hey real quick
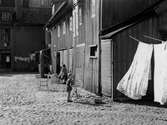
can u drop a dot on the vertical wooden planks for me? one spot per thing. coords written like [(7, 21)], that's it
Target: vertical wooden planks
[(91, 19), (65, 60), (80, 57), (107, 67), (125, 48), (117, 11)]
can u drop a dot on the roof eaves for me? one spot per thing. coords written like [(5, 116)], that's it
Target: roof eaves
[(52, 19)]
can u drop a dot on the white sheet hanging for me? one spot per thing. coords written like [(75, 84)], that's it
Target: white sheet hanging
[(160, 73), (134, 84)]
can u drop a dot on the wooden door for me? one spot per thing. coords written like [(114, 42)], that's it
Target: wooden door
[(107, 67)]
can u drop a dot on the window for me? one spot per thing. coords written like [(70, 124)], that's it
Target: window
[(53, 9), (93, 8), (64, 28), (77, 21), (58, 31), (42, 2), (34, 3), (93, 51), (5, 16), (46, 3), (5, 36), (74, 23), (80, 16), (70, 23)]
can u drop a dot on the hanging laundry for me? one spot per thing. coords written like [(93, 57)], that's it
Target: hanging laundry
[(134, 84), (160, 73)]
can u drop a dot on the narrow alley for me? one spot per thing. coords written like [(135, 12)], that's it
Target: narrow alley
[(22, 103)]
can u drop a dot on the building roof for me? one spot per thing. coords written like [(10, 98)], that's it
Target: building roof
[(147, 13), (63, 8)]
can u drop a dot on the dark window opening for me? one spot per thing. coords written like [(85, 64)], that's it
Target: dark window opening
[(93, 51), (5, 37), (5, 16)]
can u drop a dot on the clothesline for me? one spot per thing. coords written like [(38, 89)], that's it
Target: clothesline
[(150, 37), (134, 38), (134, 83), (146, 36)]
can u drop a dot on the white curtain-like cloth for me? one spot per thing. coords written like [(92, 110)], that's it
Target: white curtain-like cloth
[(134, 84), (160, 73)]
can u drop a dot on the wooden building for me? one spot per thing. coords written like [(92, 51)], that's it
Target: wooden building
[(6, 21), (61, 34), (21, 32), (146, 18), (74, 31), (92, 38)]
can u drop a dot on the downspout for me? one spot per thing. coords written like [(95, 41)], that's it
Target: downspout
[(99, 50)]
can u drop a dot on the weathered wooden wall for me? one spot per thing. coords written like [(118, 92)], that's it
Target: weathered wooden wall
[(117, 11), (91, 21), (74, 46), (125, 47), (107, 67), (79, 40), (53, 48), (79, 67), (61, 41)]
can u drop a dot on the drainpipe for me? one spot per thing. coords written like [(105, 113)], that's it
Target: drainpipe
[(99, 49)]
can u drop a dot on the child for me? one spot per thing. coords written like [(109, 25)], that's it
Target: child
[(69, 83), (63, 74)]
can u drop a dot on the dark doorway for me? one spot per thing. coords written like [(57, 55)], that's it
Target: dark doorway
[(5, 60), (58, 68)]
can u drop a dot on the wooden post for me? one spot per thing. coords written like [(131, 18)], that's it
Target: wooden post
[(99, 49)]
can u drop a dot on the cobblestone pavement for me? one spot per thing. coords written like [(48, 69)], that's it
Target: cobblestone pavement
[(21, 103)]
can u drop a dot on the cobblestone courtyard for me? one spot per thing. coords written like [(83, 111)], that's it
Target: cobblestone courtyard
[(23, 104)]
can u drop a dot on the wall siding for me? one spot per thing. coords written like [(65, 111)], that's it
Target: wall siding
[(117, 11), (107, 67), (62, 43), (91, 37), (80, 57), (125, 48)]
